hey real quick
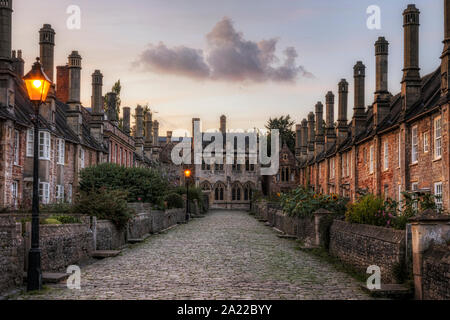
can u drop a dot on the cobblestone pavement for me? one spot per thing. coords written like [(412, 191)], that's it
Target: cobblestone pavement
[(226, 255)]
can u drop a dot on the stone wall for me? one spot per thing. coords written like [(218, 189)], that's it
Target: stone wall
[(11, 254), (64, 245), (364, 245), (109, 237), (436, 273)]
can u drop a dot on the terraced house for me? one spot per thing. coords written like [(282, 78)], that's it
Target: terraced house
[(71, 136), (398, 143)]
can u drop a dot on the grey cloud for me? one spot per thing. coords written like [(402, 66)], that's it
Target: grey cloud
[(228, 57)]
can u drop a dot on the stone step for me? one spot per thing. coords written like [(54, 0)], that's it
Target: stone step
[(134, 241), (102, 254), (286, 236), (50, 277), (391, 291), (279, 231)]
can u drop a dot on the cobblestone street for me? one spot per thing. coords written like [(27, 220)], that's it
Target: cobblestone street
[(226, 255)]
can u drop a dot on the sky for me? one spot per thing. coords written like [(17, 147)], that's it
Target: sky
[(248, 59)]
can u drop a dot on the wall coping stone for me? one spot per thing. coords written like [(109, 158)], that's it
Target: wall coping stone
[(375, 232)]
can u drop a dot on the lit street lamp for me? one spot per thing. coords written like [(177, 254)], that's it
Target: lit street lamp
[(187, 174), (38, 85)]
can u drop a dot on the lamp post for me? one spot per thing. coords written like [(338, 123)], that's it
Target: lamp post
[(187, 174), (38, 85)]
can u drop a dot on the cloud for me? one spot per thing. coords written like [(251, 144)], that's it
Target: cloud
[(228, 57)]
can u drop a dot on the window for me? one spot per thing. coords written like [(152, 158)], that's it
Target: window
[(438, 194), (426, 143), (69, 193), (347, 164), (400, 197), (371, 159), (399, 149), (44, 145), (82, 158), (332, 173), (219, 193), (30, 142), (44, 192), (15, 193), (414, 145), (386, 155), (59, 193), (16, 147), (437, 138), (60, 151)]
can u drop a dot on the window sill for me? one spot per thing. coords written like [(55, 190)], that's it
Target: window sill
[(437, 159), (414, 164)]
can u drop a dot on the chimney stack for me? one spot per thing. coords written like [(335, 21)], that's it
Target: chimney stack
[(311, 133), (5, 30), (111, 99), (359, 112), (411, 83), (156, 133), (74, 77), (18, 63), (47, 49), (320, 137), (380, 107), (148, 144), (97, 93), (126, 120), (223, 124), (330, 138), (304, 145), (298, 139), (139, 132), (74, 117), (169, 136), (342, 112), (445, 65)]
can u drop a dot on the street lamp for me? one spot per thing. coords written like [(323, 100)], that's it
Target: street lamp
[(38, 85), (187, 174)]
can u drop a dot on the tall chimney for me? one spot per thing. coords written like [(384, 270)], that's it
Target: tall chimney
[(156, 133), (148, 135), (5, 29), (342, 128), (126, 120), (359, 116), (74, 117), (47, 48), (304, 146), (298, 139), (18, 63), (445, 65), (97, 93), (320, 137), (7, 87), (223, 124), (74, 77), (380, 107), (169, 136), (311, 133), (139, 133), (411, 83), (330, 138)]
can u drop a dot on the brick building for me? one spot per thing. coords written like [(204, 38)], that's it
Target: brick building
[(71, 137), (398, 143)]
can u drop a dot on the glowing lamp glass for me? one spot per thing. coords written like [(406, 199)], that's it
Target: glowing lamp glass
[(187, 173), (37, 83)]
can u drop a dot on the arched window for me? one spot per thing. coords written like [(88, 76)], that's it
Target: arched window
[(233, 194), (221, 194), (216, 194), (238, 195)]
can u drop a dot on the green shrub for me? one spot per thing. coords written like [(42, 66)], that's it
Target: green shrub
[(303, 202), (56, 208), (141, 184), (105, 204), (50, 221), (174, 200), (368, 210), (64, 219), (194, 194)]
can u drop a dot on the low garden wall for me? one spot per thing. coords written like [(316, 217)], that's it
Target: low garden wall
[(108, 237), (436, 273), (364, 245), (64, 245)]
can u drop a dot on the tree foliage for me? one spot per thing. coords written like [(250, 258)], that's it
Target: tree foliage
[(284, 125)]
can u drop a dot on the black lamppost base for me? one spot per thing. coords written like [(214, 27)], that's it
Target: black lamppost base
[(34, 279)]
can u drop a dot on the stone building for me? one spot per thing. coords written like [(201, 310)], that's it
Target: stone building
[(229, 186), (71, 137), (399, 142), (287, 177)]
